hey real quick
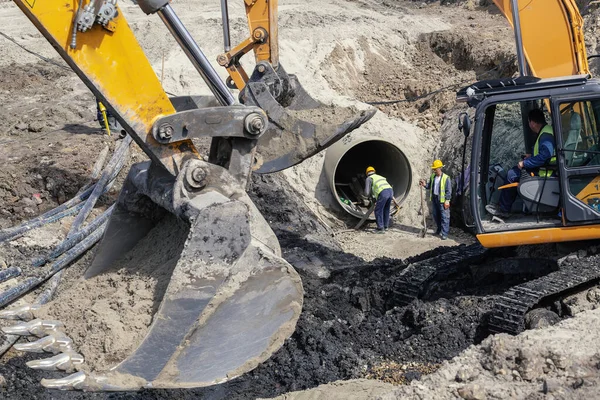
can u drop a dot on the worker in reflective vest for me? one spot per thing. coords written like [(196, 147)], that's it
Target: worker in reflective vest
[(377, 186), (544, 154), (440, 192)]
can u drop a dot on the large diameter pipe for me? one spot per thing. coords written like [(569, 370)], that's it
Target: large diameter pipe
[(347, 160)]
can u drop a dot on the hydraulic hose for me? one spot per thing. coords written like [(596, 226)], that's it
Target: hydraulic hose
[(105, 178), (72, 240), (68, 208), (9, 273), (112, 169)]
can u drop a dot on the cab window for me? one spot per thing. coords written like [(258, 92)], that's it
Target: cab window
[(579, 123)]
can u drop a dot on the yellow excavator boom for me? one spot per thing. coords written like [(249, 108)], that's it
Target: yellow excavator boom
[(552, 33)]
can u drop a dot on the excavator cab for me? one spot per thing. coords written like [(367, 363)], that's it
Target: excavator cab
[(562, 204)]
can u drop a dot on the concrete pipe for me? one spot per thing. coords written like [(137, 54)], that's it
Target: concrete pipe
[(345, 165)]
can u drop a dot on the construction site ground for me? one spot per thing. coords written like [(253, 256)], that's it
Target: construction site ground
[(351, 341)]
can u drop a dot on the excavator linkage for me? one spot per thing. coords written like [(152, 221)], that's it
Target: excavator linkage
[(300, 126)]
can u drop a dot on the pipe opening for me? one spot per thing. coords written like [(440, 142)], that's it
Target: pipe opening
[(346, 164)]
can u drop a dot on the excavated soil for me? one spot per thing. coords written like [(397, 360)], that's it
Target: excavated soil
[(351, 327), (117, 305)]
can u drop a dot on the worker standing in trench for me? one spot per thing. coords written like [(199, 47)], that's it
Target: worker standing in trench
[(440, 187), (376, 186)]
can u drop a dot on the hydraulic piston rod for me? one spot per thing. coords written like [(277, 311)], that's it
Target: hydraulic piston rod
[(196, 56), (225, 18), (518, 38)]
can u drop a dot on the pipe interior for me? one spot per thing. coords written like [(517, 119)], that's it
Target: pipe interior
[(388, 161)]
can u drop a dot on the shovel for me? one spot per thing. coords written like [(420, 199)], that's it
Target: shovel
[(424, 230)]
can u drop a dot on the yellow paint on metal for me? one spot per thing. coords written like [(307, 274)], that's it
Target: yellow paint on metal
[(115, 68), (274, 32), (238, 75), (591, 189), (552, 32), (539, 236), (509, 185), (258, 17), (262, 17)]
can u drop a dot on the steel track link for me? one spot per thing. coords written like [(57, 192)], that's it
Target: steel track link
[(414, 278), (508, 313)]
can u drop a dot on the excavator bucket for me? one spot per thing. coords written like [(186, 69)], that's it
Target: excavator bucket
[(223, 299), (230, 302), (299, 126)]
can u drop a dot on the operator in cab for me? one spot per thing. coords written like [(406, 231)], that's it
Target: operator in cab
[(377, 187), (544, 154)]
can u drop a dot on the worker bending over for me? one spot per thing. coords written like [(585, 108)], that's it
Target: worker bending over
[(440, 192), (377, 187)]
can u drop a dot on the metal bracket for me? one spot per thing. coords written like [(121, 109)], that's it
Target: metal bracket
[(102, 12), (228, 122), (276, 81)]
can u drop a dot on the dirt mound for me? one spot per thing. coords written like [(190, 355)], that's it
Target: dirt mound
[(107, 316)]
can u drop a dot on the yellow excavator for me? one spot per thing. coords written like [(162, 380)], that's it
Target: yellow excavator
[(232, 299), (554, 77), (560, 206)]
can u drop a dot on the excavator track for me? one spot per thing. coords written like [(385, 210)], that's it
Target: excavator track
[(508, 314), (414, 279)]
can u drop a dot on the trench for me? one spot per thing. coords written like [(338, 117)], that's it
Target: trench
[(350, 324), (349, 327)]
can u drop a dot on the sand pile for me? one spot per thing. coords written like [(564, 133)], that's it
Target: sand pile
[(107, 316)]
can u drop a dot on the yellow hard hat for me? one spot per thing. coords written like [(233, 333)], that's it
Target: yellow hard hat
[(437, 164), (370, 169)]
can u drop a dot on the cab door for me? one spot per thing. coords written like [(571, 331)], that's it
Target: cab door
[(579, 158)]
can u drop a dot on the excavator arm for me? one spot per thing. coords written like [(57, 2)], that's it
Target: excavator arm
[(232, 299), (262, 23), (552, 35)]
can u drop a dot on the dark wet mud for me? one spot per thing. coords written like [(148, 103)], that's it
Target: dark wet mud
[(349, 324)]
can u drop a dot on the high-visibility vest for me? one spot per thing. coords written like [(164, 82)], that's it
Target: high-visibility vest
[(379, 183), (543, 172), (442, 187)]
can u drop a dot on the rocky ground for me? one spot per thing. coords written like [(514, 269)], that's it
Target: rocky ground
[(560, 362), (351, 327)]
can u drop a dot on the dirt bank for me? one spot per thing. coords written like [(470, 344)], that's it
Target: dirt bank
[(350, 327), (560, 362)]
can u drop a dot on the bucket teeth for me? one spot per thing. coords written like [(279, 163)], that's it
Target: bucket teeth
[(25, 313), (35, 327), (74, 381), (54, 343), (60, 362)]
